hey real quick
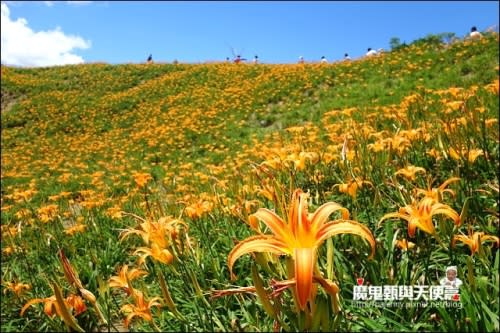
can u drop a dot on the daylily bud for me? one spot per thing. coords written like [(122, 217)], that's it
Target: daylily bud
[(69, 272), (88, 295)]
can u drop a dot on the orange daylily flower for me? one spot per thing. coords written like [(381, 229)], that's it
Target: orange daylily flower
[(162, 255), (51, 307), (124, 277), (437, 193), (352, 186), (23, 213), (16, 288), (299, 237), (76, 302), (404, 244), (275, 163), (50, 304), (473, 240), (377, 146), (299, 160), (47, 213), (7, 231), (8, 250), (156, 232), (471, 155), (398, 143), (410, 172), (24, 195), (114, 212), (75, 229), (267, 193), (198, 209), (419, 215), (140, 308), (493, 87), (158, 236), (141, 179)]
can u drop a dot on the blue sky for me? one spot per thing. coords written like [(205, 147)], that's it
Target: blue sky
[(41, 33)]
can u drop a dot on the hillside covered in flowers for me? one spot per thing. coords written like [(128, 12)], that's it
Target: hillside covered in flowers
[(252, 197)]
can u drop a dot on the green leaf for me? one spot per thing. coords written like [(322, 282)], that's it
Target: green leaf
[(448, 321), (261, 292), (465, 210), (167, 297)]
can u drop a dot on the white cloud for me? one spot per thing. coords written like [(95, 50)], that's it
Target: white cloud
[(78, 3), (21, 46), (74, 3)]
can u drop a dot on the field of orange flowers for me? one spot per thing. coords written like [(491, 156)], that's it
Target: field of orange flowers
[(238, 197)]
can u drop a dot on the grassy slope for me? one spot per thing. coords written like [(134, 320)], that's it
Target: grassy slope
[(185, 108)]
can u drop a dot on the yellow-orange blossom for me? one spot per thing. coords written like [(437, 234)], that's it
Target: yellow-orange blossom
[(299, 238), (419, 215)]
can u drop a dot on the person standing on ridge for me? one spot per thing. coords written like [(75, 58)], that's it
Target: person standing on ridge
[(474, 34), (371, 52), (238, 59), (150, 59)]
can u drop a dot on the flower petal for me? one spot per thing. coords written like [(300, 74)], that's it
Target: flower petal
[(31, 302), (304, 264), (423, 223), (462, 238), (346, 227), (322, 213), (447, 182), (260, 243), (446, 210), (274, 222), (302, 225), (393, 215), (293, 214), (489, 237)]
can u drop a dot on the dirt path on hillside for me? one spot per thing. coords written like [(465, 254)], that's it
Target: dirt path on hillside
[(9, 100)]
